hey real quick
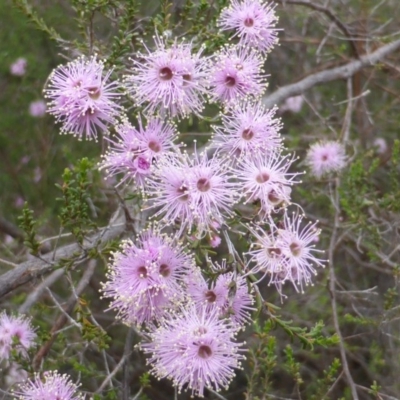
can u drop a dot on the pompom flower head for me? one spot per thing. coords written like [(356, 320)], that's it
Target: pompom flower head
[(169, 79), (287, 253), (235, 75), (194, 191), (37, 109), (18, 67), (228, 293), (145, 280), (194, 349), (82, 97), (133, 152), (266, 179), (326, 157), (17, 333), (253, 22), (248, 129), (52, 386)]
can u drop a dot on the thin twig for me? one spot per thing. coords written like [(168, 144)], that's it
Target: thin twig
[(62, 319), (345, 133), (127, 352), (111, 375), (10, 229), (332, 290), (34, 296), (329, 13)]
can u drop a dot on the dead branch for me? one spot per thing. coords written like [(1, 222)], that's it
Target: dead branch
[(342, 72), (38, 267)]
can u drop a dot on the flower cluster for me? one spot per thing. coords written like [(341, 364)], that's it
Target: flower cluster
[(52, 386), (82, 97), (16, 332), (191, 314)]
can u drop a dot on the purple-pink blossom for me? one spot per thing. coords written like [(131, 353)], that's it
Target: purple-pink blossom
[(133, 152), (195, 349), (286, 253), (326, 157), (37, 109), (266, 179), (50, 386), (18, 67), (169, 79), (145, 278), (248, 129), (83, 98), (16, 332), (253, 22), (229, 294), (236, 75), (194, 191)]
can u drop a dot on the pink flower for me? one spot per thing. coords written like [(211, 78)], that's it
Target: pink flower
[(193, 191), (15, 332), (235, 75), (229, 294), (145, 279), (18, 67), (37, 174), (19, 202), (215, 241), (293, 104), (52, 386), (37, 108), (287, 254), (134, 151), (326, 157), (266, 179), (169, 79), (248, 129), (253, 22), (381, 145), (15, 374), (194, 349), (82, 98)]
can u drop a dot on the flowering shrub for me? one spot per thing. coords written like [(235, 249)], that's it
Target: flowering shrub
[(213, 231)]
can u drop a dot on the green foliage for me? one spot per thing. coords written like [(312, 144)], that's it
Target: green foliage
[(307, 337), (321, 387), (27, 224), (292, 366), (75, 211), (27, 9), (90, 331), (262, 360)]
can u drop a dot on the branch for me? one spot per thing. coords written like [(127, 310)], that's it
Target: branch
[(332, 292), (329, 13), (63, 318), (37, 267), (343, 72), (10, 229)]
